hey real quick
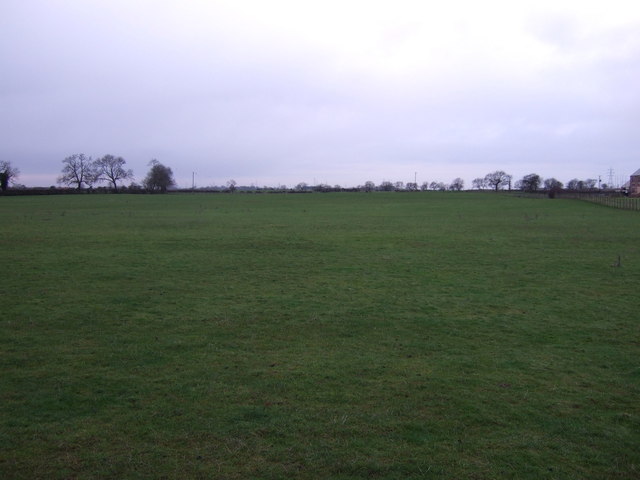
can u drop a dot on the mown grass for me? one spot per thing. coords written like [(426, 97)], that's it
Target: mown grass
[(318, 336)]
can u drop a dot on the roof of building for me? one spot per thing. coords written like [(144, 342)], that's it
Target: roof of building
[(636, 173)]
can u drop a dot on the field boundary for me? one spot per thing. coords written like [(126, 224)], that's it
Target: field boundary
[(608, 200)]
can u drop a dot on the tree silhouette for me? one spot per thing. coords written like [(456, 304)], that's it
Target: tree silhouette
[(112, 169), (159, 178), (78, 170)]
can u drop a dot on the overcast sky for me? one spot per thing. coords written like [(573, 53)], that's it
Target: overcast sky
[(340, 92)]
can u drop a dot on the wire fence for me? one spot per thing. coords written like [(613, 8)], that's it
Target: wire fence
[(608, 200)]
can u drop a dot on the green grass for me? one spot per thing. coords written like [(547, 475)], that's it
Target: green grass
[(336, 336)]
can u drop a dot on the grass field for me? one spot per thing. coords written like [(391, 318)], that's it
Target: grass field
[(344, 336)]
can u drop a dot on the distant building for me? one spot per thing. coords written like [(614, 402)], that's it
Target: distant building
[(634, 184)]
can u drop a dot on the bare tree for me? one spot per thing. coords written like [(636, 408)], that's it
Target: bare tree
[(386, 186), (159, 178), (112, 169), (78, 170), (497, 179), (424, 186), (590, 183), (574, 184), (457, 184), (7, 174), (479, 183), (552, 184), (530, 183), (369, 186), (231, 185)]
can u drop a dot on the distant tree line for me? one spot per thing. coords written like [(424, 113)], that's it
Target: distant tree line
[(533, 183), (496, 181), (386, 186), (81, 172)]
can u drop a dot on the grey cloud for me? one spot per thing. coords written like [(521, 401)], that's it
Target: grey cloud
[(260, 108)]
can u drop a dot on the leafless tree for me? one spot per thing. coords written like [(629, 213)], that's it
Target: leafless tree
[(497, 179), (552, 184), (369, 186), (530, 183), (590, 183), (78, 170), (479, 183), (112, 169), (574, 184), (457, 184)]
